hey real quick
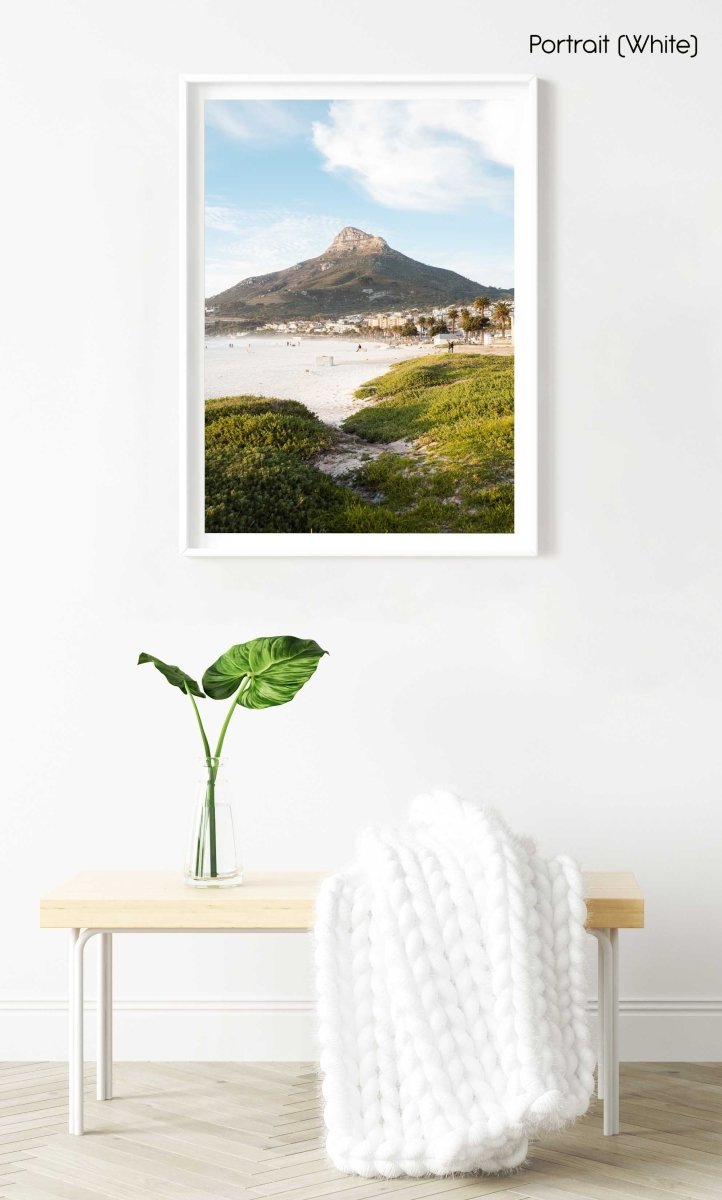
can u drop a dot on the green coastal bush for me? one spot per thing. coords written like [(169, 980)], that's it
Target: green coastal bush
[(258, 477), (422, 497), (446, 400), (459, 413), (255, 423), (455, 412), (268, 491)]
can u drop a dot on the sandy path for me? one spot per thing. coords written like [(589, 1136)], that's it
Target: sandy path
[(351, 452)]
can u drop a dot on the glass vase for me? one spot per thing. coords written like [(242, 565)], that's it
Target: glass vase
[(213, 859)]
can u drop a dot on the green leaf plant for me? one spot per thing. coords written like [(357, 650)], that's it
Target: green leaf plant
[(262, 673)]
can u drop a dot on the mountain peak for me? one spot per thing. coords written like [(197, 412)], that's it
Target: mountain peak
[(359, 273), (351, 238)]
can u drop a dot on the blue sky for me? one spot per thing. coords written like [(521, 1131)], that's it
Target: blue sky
[(433, 178)]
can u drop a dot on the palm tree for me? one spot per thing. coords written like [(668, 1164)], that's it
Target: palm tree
[(422, 323), (502, 314), (481, 324), (452, 314), (481, 304), (473, 323)]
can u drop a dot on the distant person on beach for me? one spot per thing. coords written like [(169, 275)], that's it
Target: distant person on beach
[(451, 347)]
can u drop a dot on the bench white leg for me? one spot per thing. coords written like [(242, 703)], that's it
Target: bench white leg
[(608, 1070), (72, 1081), (104, 1073), (78, 938), (600, 1020), (614, 939)]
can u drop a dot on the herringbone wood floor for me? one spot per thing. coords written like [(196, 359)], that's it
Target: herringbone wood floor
[(236, 1131)]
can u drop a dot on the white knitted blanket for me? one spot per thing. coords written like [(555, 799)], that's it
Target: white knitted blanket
[(451, 991)]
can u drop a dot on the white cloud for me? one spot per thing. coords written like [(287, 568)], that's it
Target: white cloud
[(222, 218), (243, 120), (432, 156), (255, 243)]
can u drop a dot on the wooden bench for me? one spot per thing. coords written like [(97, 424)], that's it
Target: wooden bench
[(108, 902)]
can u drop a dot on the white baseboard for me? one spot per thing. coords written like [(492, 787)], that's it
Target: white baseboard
[(253, 1029), (669, 1030), (283, 1029)]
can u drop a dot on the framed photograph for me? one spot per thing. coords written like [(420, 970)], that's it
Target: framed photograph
[(359, 316)]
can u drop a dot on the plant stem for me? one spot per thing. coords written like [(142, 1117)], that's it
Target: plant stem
[(212, 764), (246, 683), (199, 843), (211, 806), (206, 745)]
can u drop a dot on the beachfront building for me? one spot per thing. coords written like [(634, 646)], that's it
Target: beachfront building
[(388, 322), (379, 322), (344, 324)]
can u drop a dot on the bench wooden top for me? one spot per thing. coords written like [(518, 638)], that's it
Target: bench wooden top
[(266, 900)]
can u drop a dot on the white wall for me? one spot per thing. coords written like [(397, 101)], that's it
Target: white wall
[(580, 691)]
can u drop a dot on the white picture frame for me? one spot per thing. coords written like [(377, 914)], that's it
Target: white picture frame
[(194, 541)]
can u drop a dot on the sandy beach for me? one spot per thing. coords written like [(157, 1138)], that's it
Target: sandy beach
[(269, 366)]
